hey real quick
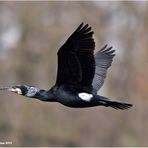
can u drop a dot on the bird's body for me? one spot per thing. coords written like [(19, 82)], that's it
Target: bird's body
[(80, 74), (74, 98), (70, 97)]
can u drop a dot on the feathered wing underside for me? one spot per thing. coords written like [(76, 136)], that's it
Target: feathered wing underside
[(76, 63), (103, 59)]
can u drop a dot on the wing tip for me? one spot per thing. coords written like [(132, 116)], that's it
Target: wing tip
[(84, 27), (81, 24), (107, 50)]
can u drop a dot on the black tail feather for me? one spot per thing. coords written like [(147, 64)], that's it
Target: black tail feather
[(119, 105), (114, 104)]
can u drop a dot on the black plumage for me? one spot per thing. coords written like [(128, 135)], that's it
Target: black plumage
[(80, 74), (76, 64)]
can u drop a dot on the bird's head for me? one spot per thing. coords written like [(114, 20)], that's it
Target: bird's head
[(25, 90), (19, 89)]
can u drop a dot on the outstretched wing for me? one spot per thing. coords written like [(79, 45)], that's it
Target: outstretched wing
[(76, 63), (103, 59)]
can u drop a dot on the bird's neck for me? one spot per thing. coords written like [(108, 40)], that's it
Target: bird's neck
[(45, 95)]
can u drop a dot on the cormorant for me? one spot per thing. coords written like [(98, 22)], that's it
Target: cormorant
[(80, 74)]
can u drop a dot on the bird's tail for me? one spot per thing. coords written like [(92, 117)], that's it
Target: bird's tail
[(114, 104)]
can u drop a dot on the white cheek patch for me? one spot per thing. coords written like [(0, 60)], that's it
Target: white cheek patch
[(85, 96), (18, 91)]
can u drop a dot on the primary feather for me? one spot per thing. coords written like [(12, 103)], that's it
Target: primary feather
[(76, 64), (103, 59)]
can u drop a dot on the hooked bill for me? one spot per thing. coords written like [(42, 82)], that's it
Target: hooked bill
[(5, 88)]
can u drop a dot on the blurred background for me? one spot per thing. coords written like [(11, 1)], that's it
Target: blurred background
[(31, 34)]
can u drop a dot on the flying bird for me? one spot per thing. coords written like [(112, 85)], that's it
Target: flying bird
[(81, 73)]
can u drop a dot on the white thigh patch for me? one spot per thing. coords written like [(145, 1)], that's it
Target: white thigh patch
[(85, 96)]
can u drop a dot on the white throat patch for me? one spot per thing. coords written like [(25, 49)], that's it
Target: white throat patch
[(85, 96), (19, 91), (16, 90)]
